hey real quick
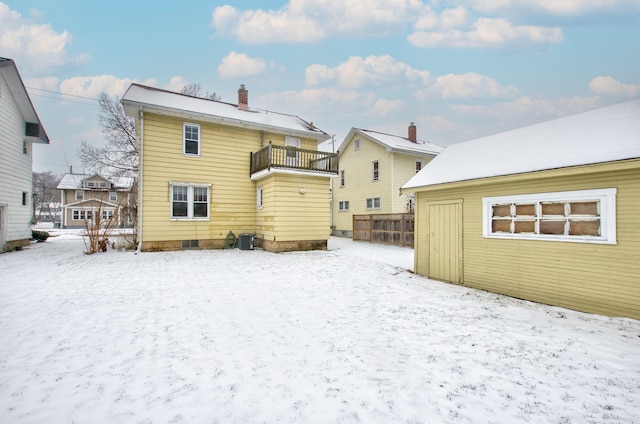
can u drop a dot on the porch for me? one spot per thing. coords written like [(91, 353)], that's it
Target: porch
[(287, 157)]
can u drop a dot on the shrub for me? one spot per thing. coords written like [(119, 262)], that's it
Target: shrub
[(39, 236)]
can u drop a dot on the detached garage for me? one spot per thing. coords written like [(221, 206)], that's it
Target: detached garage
[(548, 213)]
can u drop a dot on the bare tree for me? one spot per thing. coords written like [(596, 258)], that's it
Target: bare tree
[(119, 156), (195, 90), (46, 196)]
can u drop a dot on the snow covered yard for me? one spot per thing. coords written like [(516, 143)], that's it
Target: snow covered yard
[(342, 336)]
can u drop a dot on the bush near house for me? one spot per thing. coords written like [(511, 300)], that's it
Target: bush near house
[(39, 236)]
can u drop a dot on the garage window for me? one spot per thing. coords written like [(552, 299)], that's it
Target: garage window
[(580, 216)]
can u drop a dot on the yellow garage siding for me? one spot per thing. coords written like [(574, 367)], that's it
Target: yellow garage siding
[(597, 278)]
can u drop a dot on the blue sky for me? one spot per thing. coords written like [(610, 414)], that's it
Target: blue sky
[(459, 69)]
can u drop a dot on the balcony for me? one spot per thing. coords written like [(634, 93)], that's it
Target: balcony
[(292, 158)]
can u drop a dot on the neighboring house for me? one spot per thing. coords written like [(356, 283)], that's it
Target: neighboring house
[(373, 167), (547, 213), (208, 169), (20, 128), (86, 197)]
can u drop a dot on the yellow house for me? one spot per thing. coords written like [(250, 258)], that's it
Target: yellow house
[(210, 171), (547, 213), (373, 167), (84, 196)]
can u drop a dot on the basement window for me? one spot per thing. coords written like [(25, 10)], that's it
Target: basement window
[(587, 216)]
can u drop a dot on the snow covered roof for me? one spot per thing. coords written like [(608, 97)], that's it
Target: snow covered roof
[(74, 182), (602, 135), (176, 104), (395, 143)]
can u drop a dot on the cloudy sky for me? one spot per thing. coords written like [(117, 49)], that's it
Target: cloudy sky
[(459, 69)]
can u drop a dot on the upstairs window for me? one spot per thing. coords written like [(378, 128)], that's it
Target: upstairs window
[(79, 195), (375, 170), (581, 216), (356, 144), (90, 184), (342, 178), (419, 165), (25, 148), (343, 205), (189, 201), (191, 136), (113, 196), (24, 198)]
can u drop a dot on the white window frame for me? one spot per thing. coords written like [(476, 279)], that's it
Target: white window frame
[(375, 170), (107, 214), (190, 201), (370, 203), (184, 138), (421, 162), (113, 196), (356, 144), (606, 199), (102, 184), (90, 184), (343, 205), (79, 194), (259, 197), (343, 179)]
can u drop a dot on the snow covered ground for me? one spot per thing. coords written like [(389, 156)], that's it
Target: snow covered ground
[(342, 336)]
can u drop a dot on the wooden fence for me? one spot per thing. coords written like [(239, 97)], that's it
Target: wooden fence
[(394, 228)]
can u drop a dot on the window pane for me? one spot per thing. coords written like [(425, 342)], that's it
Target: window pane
[(200, 210), (551, 227), (179, 209), (501, 210), (553, 209), (584, 228), (524, 227), (191, 147), (369, 203), (179, 193), (526, 210), (584, 208), (199, 194), (376, 202), (501, 226)]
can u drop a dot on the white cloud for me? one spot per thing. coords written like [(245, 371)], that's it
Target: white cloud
[(34, 47), (240, 65), (301, 21), (176, 83), (468, 86), (95, 85), (482, 33), (607, 86), (359, 72)]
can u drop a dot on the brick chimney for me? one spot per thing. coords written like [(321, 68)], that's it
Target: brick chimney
[(243, 98), (413, 133)]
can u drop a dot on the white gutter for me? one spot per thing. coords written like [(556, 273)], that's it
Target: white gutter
[(140, 164)]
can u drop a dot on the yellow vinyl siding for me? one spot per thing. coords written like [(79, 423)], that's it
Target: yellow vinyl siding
[(223, 163), (404, 168), (287, 214), (596, 278)]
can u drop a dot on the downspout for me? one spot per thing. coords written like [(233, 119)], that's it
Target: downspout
[(140, 173)]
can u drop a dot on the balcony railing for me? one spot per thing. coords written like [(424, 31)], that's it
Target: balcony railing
[(287, 157)]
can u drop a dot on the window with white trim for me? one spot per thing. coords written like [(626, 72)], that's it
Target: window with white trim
[(107, 214), (342, 178), (90, 184), (113, 196), (78, 214), (419, 165), (373, 203), (189, 201), (343, 205), (375, 170), (191, 139), (356, 144), (259, 197), (103, 184), (79, 195), (579, 216)]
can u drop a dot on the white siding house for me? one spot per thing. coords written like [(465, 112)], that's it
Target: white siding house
[(20, 128)]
